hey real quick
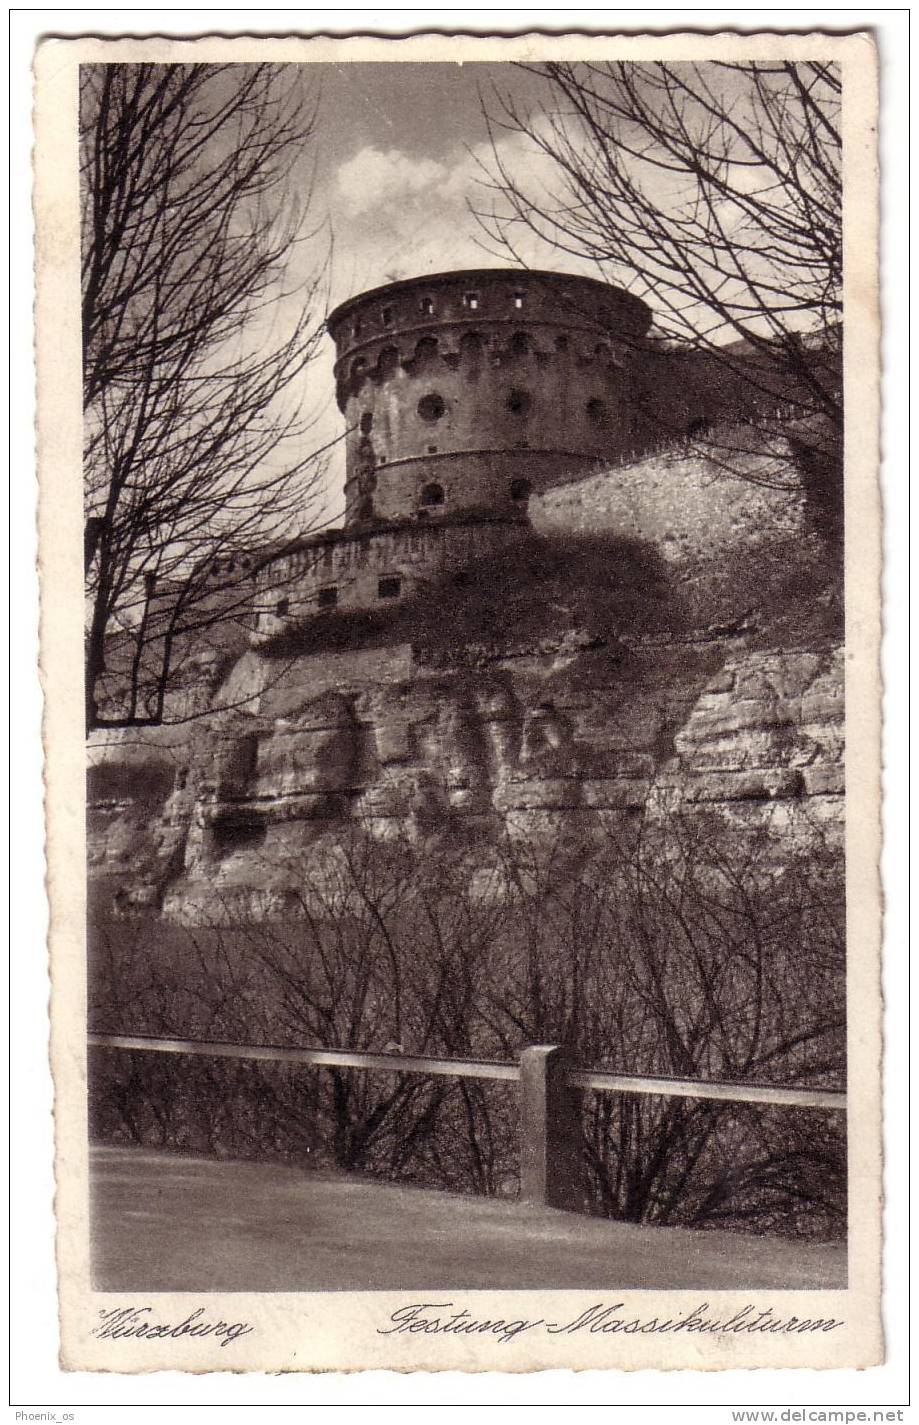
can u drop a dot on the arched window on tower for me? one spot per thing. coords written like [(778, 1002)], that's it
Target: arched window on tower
[(432, 494), (598, 414)]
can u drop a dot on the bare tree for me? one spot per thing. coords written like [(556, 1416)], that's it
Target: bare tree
[(381, 952), (374, 954), (196, 342), (726, 969), (714, 192), (682, 950)]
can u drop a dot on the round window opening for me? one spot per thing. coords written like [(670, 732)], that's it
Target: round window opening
[(431, 407), (519, 402)]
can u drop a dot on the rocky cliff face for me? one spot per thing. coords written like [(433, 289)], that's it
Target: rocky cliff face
[(227, 816)]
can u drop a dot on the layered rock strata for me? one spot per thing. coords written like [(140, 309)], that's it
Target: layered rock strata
[(233, 810)]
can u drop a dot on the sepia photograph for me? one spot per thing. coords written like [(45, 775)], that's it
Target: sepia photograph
[(468, 604)]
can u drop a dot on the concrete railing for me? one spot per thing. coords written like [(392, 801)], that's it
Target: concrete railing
[(551, 1089)]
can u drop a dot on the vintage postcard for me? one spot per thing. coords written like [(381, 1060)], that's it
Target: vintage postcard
[(460, 614)]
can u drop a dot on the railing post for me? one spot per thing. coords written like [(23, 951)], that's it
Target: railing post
[(551, 1172)]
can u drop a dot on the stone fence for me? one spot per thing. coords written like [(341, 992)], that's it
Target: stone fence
[(550, 1091)]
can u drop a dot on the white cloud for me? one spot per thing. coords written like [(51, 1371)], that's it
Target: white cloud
[(377, 179), (396, 214)]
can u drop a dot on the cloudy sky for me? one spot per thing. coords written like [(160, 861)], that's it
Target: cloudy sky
[(397, 160), (401, 148)]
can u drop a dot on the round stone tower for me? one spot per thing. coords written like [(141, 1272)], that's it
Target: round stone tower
[(467, 391)]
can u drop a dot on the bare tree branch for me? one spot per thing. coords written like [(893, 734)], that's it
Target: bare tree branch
[(196, 347), (714, 192)]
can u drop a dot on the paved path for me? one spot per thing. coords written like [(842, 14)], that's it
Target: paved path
[(167, 1223)]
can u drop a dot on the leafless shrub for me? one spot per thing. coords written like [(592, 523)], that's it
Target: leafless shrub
[(674, 951)]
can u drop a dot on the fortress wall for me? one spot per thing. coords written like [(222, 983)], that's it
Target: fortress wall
[(498, 480), (484, 392), (352, 567), (688, 506)]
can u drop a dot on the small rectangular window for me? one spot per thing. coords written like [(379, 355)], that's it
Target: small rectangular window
[(386, 316), (427, 306), (518, 300), (389, 587), (472, 301), (327, 598), (283, 607)]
